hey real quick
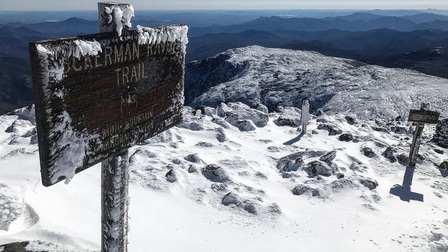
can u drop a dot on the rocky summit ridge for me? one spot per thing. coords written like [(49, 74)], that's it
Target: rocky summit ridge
[(278, 77)]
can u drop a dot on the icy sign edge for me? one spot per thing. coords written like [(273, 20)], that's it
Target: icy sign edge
[(66, 145)]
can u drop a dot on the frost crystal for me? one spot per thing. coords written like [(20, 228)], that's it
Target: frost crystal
[(163, 34), (73, 146), (121, 15)]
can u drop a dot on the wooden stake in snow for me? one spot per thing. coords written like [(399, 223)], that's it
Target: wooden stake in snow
[(305, 115)]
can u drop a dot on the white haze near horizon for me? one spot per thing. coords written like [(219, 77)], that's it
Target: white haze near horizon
[(227, 5)]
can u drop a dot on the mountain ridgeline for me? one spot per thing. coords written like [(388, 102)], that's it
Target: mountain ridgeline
[(401, 39)]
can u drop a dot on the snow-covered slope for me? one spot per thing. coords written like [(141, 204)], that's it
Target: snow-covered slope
[(274, 77), (208, 186)]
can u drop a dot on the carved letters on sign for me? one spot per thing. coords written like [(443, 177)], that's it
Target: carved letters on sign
[(99, 94)]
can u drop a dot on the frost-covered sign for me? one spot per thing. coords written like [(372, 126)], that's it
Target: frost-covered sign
[(100, 94), (423, 116)]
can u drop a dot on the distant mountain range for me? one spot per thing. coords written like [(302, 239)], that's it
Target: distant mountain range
[(411, 39)]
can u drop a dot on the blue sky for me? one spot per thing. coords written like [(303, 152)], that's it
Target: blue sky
[(227, 4)]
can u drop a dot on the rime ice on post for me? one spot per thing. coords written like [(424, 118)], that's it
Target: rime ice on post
[(100, 94), (305, 115), (114, 17)]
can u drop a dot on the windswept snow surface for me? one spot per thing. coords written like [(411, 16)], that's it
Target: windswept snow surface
[(207, 186)]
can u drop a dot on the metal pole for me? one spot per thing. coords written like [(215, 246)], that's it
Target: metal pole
[(114, 178)]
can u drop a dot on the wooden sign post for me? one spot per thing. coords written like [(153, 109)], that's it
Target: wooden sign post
[(422, 116), (305, 115), (98, 95)]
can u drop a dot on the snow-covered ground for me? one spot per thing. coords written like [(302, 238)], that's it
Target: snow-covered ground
[(208, 186)]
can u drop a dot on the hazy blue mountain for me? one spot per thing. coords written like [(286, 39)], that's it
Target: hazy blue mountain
[(425, 17), (438, 25), (15, 84)]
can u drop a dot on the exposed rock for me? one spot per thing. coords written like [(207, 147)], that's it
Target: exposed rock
[(291, 162), (439, 151), (389, 153), (403, 159), (262, 108), (242, 112), (204, 144), (368, 182), (196, 126), (221, 135), (441, 135), (274, 208), (244, 125), (350, 119), (218, 187), (250, 207), (443, 168), (30, 133), (328, 157), (230, 199), (194, 158), (346, 137), (399, 129), (289, 117), (340, 175), (368, 152), (261, 175), (233, 199), (221, 122), (301, 189), (17, 125), (316, 168), (171, 176), (192, 169), (343, 183), (215, 173), (223, 110), (332, 129)]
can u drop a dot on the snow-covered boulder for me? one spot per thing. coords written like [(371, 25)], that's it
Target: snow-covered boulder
[(215, 173), (236, 112), (316, 168), (368, 182), (290, 163), (11, 207), (328, 157), (389, 153), (331, 128), (441, 134), (368, 152), (290, 116), (443, 168), (304, 189), (244, 125), (346, 137)]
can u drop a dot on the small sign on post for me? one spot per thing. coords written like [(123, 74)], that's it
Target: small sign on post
[(422, 116)]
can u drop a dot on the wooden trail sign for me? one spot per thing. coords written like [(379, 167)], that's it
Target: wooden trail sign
[(100, 94), (423, 116)]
